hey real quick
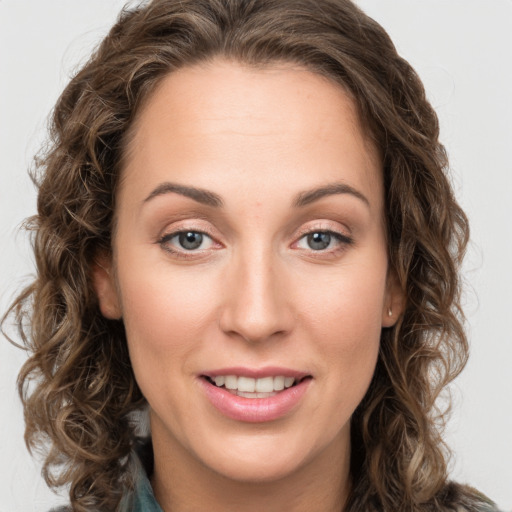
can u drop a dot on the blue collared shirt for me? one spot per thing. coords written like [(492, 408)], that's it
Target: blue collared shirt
[(142, 498)]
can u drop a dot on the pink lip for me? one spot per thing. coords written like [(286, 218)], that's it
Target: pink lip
[(254, 410), (267, 371)]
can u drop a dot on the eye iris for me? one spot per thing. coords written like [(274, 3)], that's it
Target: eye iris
[(319, 241), (190, 240)]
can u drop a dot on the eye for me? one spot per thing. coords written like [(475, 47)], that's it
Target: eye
[(322, 241), (318, 241), (186, 241)]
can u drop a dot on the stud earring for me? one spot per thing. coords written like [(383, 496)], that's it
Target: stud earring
[(390, 312)]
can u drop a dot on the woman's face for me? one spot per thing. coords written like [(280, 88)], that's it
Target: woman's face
[(250, 250)]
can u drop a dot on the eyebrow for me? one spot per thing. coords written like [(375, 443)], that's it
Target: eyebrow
[(197, 194), (209, 198), (310, 196)]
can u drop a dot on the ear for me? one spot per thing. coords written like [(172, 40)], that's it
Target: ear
[(394, 302), (105, 287)]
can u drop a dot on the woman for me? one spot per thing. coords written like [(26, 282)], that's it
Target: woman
[(244, 223)]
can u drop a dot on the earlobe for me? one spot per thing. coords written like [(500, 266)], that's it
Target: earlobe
[(105, 288), (394, 302)]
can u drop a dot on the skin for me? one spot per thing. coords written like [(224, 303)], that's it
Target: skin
[(255, 294)]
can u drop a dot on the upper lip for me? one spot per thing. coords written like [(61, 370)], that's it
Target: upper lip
[(256, 373)]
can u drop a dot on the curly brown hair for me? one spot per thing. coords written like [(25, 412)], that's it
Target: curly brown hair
[(84, 389)]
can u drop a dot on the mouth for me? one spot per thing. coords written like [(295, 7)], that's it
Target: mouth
[(255, 395), (250, 387)]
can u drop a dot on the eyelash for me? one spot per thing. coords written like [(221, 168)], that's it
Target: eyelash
[(342, 242), (164, 243)]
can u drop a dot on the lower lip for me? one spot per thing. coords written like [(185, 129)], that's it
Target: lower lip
[(255, 410)]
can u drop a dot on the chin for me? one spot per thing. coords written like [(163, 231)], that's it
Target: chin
[(258, 470), (266, 457)]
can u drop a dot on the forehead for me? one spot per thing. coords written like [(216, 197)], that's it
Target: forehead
[(224, 115)]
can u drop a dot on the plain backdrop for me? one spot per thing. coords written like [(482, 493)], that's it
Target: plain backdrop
[(462, 49)]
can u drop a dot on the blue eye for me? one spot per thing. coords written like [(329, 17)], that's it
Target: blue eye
[(190, 240), (318, 241), (322, 240), (186, 241)]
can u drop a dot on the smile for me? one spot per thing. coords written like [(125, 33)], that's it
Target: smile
[(254, 399), (249, 387)]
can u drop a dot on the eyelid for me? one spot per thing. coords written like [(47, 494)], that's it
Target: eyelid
[(196, 225), (169, 236), (184, 227), (344, 240), (326, 227)]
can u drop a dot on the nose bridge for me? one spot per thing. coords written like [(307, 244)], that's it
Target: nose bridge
[(256, 306)]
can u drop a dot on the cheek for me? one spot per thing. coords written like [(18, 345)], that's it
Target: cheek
[(349, 301), (344, 314), (165, 314)]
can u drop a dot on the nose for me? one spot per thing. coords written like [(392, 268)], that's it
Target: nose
[(256, 304)]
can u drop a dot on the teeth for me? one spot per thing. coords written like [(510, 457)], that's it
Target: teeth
[(246, 384), (231, 382), (279, 383), (266, 386)]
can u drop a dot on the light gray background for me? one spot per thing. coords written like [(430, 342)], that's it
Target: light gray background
[(462, 49)]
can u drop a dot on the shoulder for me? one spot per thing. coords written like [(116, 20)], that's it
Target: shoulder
[(462, 498), (139, 494)]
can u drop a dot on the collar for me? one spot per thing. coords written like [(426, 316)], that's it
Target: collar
[(141, 499)]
